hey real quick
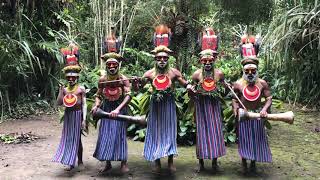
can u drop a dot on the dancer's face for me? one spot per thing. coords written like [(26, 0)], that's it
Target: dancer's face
[(112, 67), (162, 60), (72, 80), (250, 74), (208, 63)]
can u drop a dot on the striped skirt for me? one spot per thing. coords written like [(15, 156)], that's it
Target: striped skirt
[(210, 140), (161, 135), (71, 135), (112, 142), (252, 141)]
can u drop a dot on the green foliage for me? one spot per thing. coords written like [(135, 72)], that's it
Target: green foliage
[(7, 138), (136, 62), (31, 36), (293, 58), (248, 12), (25, 106), (139, 104)]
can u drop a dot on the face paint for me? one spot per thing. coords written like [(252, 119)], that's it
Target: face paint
[(162, 60), (250, 75), (72, 80), (112, 67), (208, 63)]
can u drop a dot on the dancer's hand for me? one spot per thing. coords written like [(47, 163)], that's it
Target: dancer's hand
[(61, 88), (263, 113), (235, 112), (136, 82), (191, 88), (84, 125), (114, 113), (94, 109)]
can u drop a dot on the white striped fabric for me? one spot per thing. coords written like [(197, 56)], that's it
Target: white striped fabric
[(71, 133), (112, 142), (210, 140), (253, 142), (161, 137)]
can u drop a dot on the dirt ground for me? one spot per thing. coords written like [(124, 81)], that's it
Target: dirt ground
[(295, 149)]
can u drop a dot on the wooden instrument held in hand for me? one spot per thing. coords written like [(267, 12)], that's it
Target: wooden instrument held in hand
[(287, 117), (118, 82), (132, 119)]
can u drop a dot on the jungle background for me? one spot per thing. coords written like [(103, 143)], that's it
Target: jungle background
[(33, 31)]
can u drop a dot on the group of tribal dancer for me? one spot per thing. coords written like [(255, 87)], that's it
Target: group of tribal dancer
[(114, 94)]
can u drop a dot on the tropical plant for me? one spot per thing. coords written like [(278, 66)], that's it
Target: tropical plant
[(293, 57)]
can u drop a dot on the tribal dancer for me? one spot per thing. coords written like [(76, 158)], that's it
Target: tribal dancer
[(73, 98), (209, 81), (113, 98), (161, 136), (252, 137)]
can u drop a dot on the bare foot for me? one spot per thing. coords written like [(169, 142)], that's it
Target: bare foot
[(253, 167), (215, 166), (105, 169), (244, 166), (172, 168), (81, 166), (156, 169), (200, 168), (69, 168), (124, 169)]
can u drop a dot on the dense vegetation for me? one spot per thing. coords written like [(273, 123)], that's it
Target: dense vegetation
[(31, 34)]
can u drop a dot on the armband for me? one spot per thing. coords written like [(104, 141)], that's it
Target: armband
[(98, 96), (187, 84), (127, 93), (268, 98)]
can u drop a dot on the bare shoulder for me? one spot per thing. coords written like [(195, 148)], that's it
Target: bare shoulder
[(263, 83), (176, 72), (196, 74), (219, 73), (123, 77), (126, 81), (149, 73), (82, 88), (236, 85), (102, 78)]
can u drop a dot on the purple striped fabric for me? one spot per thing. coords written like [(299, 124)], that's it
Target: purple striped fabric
[(210, 140), (253, 142), (161, 137), (71, 133), (112, 142)]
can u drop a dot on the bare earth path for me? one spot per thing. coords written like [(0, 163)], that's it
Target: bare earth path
[(295, 149)]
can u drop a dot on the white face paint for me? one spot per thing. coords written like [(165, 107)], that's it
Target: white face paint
[(72, 80), (208, 62), (250, 74), (162, 60), (112, 66)]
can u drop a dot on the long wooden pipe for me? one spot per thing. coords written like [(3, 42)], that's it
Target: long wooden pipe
[(120, 80), (132, 119), (287, 117)]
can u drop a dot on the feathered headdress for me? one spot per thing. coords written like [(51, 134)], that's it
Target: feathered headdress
[(162, 36), (112, 44), (161, 39), (249, 46), (112, 56), (71, 56), (208, 40)]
